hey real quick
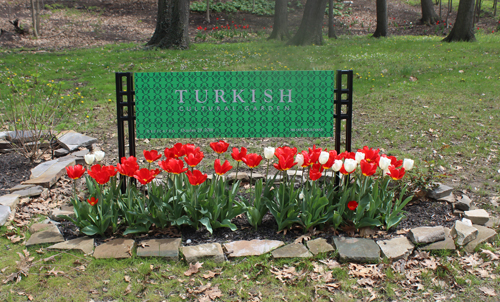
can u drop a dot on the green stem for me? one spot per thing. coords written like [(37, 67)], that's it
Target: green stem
[(237, 167), (267, 169)]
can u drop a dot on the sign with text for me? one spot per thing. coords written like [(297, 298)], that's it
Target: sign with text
[(234, 104)]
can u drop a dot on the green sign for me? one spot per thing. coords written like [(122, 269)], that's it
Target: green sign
[(234, 104)]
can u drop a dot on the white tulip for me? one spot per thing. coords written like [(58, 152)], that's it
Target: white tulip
[(337, 165), (359, 157), (99, 155), (301, 195), (350, 165), (384, 163), (89, 158), (269, 152), (299, 159), (408, 164), (323, 157)]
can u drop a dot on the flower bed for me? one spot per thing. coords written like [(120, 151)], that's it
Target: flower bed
[(361, 193)]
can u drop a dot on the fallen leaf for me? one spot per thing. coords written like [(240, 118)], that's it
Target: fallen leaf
[(488, 291), (128, 290), (214, 293), (40, 251), (51, 258), (193, 268), (127, 279), (302, 239), (490, 254), (54, 272), (330, 263), (210, 274)]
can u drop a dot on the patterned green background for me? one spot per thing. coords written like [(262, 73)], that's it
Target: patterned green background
[(161, 115)]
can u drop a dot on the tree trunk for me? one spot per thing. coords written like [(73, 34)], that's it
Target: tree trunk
[(331, 26), (172, 25), (208, 11), (280, 27), (34, 17), (310, 30), (463, 29), (381, 30), (429, 15)]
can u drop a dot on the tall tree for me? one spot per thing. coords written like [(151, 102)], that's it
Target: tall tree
[(463, 29), (280, 27), (310, 29), (331, 25), (172, 25), (381, 30), (429, 15)]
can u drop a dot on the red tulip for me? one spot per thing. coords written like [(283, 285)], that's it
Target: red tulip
[(346, 154), (151, 156), (315, 172), (352, 205), (314, 154), (239, 155), (252, 160), (111, 170), (193, 159), (128, 166), (285, 151), (145, 176), (172, 165), (190, 149), (331, 159), (75, 172), (219, 147), (92, 201), (284, 163), (221, 170), (196, 178), (175, 152), (100, 175), (367, 168), (371, 155), (396, 174), (396, 163), (307, 159)]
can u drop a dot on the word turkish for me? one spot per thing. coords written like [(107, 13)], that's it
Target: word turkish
[(222, 96), (235, 108)]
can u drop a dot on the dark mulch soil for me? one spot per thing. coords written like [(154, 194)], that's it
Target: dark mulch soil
[(15, 168)]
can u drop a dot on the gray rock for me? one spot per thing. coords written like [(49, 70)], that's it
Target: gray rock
[(440, 191), (64, 210), (82, 244), (480, 216), (255, 247), (357, 249), (71, 140), (78, 156), (10, 200), (38, 227), (422, 235), (29, 192), (448, 198), (4, 214), (462, 233), (116, 248), (493, 222), (49, 234), (5, 144), (241, 176), (50, 174), (463, 204), (20, 187), (26, 136), (61, 152), (166, 248), (294, 250), (484, 235), (447, 244), (212, 251), (4, 134), (396, 248), (319, 245)]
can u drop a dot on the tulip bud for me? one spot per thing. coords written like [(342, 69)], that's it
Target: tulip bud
[(299, 159), (384, 163), (359, 157), (269, 152), (99, 155), (408, 164), (301, 195), (89, 158), (350, 165), (337, 165), (323, 157)]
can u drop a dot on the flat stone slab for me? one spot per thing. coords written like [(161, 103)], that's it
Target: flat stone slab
[(484, 235), (64, 210), (255, 247), (167, 248), (319, 245), (241, 176), (20, 187), (212, 251), (396, 248), (29, 192), (463, 204), (480, 216), (463, 233), (78, 156), (357, 249), (82, 244), (39, 227), (5, 144), (61, 152), (450, 198), (72, 140), (440, 192), (10, 200), (25, 136), (493, 222), (4, 214), (48, 234), (116, 248), (49, 175), (422, 235), (447, 244), (293, 250)]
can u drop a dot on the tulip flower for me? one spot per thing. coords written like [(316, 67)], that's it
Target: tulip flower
[(307, 159), (408, 164), (352, 205), (196, 177), (315, 172), (314, 154), (346, 154), (172, 165), (395, 173), (190, 149), (285, 151), (371, 155), (252, 160), (111, 170), (219, 147), (193, 159), (394, 161), (222, 169), (101, 176), (337, 165), (323, 157), (284, 163), (331, 159), (92, 201), (175, 152), (350, 165), (368, 169), (239, 155), (299, 159), (99, 155), (269, 152), (128, 166), (145, 176), (151, 156), (75, 172), (89, 159), (384, 163), (359, 157)]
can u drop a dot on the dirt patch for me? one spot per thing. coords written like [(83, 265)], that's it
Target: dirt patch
[(15, 169)]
